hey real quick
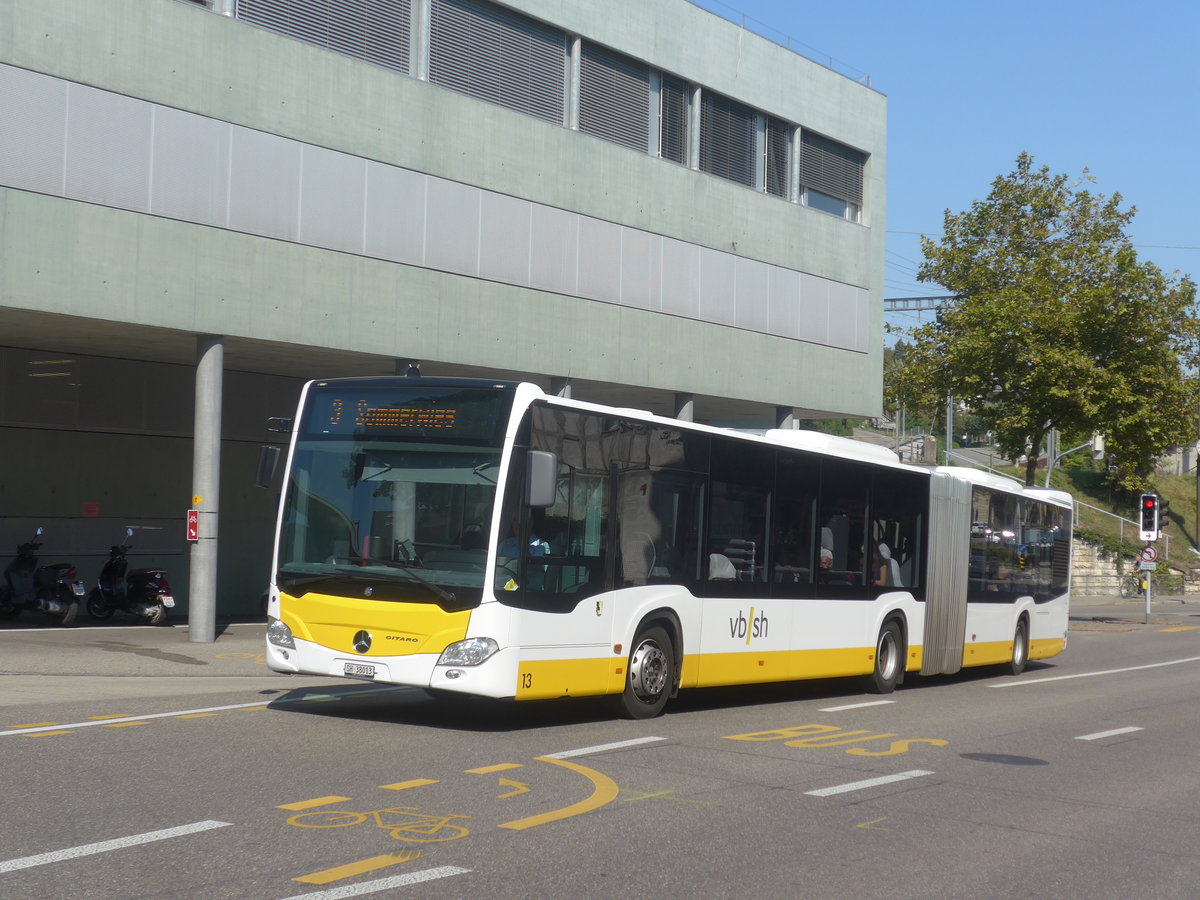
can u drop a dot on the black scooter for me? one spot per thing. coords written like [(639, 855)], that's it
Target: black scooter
[(53, 589), (141, 593)]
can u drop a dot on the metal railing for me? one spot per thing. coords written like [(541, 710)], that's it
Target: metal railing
[(1121, 522)]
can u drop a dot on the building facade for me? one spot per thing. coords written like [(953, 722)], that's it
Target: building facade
[(203, 204)]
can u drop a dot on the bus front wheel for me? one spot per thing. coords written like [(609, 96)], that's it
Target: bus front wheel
[(650, 674), (889, 660), (1020, 653)]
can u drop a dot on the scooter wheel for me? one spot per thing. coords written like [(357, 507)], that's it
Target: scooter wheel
[(7, 609), (69, 613), (96, 607), (158, 617)]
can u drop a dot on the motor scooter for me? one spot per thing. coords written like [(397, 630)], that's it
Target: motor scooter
[(53, 588), (141, 593)]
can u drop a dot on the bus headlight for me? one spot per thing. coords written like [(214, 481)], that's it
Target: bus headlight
[(280, 635), (470, 652)]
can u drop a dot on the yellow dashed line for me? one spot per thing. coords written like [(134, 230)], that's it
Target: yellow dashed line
[(33, 725), (357, 868), (46, 734), (110, 716), (1179, 628), (254, 708), (124, 724), (309, 804), (196, 716), (405, 785), (488, 770)]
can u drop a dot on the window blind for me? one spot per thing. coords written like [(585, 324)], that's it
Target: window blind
[(614, 97), (375, 31), (831, 168), (498, 55), (727, 138)]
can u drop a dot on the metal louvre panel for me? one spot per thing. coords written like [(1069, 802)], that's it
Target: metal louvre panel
[(497, 55), (727, 138), (614, 97), (831, 168), (673, 119), (778, 133), (375, 31)]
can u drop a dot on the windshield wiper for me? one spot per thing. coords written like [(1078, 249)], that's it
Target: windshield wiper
[(406, 568)]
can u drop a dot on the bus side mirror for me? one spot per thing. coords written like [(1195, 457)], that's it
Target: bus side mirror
[(541, 478), (268, 458)]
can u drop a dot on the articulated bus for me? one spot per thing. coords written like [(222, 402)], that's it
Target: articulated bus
[(488, 539)]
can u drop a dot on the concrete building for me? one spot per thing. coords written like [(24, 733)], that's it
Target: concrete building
[(205, 202)]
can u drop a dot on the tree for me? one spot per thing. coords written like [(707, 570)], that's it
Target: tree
[(1056, 324)]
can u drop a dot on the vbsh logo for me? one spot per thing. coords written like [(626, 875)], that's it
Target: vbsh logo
[(748, 626)]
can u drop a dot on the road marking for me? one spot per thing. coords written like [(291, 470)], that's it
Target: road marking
[(382, 884), (36, 725), (856, 706), (1028, 681), (599, 748), (309, 804), (181, 713), (132, 840), (1179, 628), (1104, 734), (43, 733), (869, 783), (605, 792), (373, 864), (874, 823), (519, 787), (405, 785), (489, 770)]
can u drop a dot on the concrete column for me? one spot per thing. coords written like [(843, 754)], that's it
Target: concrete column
[(561, 387), (693, 133), (785, 417), (685, 407), (206, 488), (224, 7), (418, 45), (573, 64)]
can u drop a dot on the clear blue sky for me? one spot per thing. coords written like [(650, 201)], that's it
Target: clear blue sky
[(1103, 85)]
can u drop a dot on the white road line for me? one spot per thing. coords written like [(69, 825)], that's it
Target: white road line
[(869, 783), (208, 709), (382, 884), (1104, 734), (567, 754), (1028, 681), (41, 859), (856, 706)]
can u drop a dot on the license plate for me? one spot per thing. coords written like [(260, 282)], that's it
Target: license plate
[(359, 670), (168, 601), (79, 589)]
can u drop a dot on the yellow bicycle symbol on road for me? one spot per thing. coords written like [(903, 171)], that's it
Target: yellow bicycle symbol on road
[(404, 823)]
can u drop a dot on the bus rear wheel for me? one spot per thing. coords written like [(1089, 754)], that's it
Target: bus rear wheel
[(650, 675), (889, 660), (1020, 653)]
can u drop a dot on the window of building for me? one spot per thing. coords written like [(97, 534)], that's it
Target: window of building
[(497, 55), (831, 175), (673, 119), (775, 156), (375, 31), (728, 136), (614, 97)]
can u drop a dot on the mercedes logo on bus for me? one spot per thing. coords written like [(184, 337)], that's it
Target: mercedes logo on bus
[(362, 641)]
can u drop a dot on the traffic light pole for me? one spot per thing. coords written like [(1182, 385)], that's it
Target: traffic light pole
[(1149, 580)]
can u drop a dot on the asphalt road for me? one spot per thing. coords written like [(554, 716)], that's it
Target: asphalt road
[(139, 765)]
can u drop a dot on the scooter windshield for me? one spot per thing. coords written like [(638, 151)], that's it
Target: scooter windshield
[(390, 493)]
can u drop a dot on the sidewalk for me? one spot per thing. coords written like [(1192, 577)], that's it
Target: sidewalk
[(1169, 609)]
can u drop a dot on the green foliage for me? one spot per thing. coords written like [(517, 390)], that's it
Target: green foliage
[(1056, 325)]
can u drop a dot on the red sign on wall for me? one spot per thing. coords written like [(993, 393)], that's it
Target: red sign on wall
[(193, 524)]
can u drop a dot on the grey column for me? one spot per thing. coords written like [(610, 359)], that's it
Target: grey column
[(561, 387), (206, 487), (785, 417), (224, 7), (685, 407)]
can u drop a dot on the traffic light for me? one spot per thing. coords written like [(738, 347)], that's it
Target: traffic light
[(1148, 517)]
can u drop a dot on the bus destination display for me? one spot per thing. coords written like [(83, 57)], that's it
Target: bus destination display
[(470, 416)]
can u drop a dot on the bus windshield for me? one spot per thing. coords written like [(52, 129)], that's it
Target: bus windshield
[(392, 490)]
